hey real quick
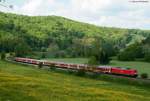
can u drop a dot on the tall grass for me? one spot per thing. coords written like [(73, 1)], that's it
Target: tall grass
[(27, 83)]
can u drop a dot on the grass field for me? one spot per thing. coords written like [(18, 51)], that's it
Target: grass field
[(25, 83), (142, 67)]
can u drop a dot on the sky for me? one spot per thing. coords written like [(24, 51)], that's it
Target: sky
[(109, 13)]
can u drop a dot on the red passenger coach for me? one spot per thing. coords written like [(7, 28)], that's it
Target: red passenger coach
[(103, 69), (97, 69), (64, 65), (27, 60)]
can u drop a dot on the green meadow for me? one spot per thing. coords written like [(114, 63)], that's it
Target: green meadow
[(27, 83)]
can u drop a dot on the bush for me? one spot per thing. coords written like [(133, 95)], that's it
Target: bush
[(40, 65), (80, 72), (22, 49), (12, 54), (144, 75), (3, 55), (95, 75), (43, 55), (131, 52), (104, 58), (61, 54), (92, 61), (52, 67), (125, 56), (147, 57), (70, 71)]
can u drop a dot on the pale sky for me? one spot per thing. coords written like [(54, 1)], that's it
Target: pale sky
[(111, 13)]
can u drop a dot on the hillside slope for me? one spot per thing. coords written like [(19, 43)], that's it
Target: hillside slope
[(41, 26), (24, 83), (58, 33)]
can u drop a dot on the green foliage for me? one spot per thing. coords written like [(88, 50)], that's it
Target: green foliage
[(147, 57), (22, 49), (3, 55), (92, 61), (70, 71), (61, 37), (40, 65), (52, 67), (100, 51), (43, 55), (103, 57), (126, 56), (95, 75), (131, 52), (144, 75), (146, 50), (81, 72)]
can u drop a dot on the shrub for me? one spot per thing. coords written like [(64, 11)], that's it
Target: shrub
[(70, 71), (80, 72), (61, 54), (147, 57), (92, 61), (101, 51), (3, 55), (144, 75), (95, 75), (52, 67), (131, 52), (43, 55), (40, 65), (22, 49), (104, 58), (125, 56)]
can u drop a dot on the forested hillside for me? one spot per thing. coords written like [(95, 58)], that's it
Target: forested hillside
[(62, 37)]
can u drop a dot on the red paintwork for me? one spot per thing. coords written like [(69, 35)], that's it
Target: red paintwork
[(99, 69), (122, 71), (63, 65), (104, 69)]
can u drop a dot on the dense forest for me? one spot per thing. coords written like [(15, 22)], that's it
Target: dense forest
[(53, 36)]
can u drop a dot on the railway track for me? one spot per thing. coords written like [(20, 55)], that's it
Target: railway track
[(111, 75)]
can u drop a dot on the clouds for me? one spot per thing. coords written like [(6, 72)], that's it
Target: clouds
[(35, 7), (114, 13), (31, 7)]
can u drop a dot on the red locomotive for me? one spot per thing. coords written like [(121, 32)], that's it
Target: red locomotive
[(98, 69)]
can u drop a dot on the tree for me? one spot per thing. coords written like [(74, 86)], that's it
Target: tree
[(52, 50), (22, 49), (147, 57), (146, 50), (131, 52), (100, 51), (43, 55), (92, 61), (103, 57), (125, 56)]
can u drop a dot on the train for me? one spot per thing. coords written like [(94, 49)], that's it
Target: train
[(96, 69)]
